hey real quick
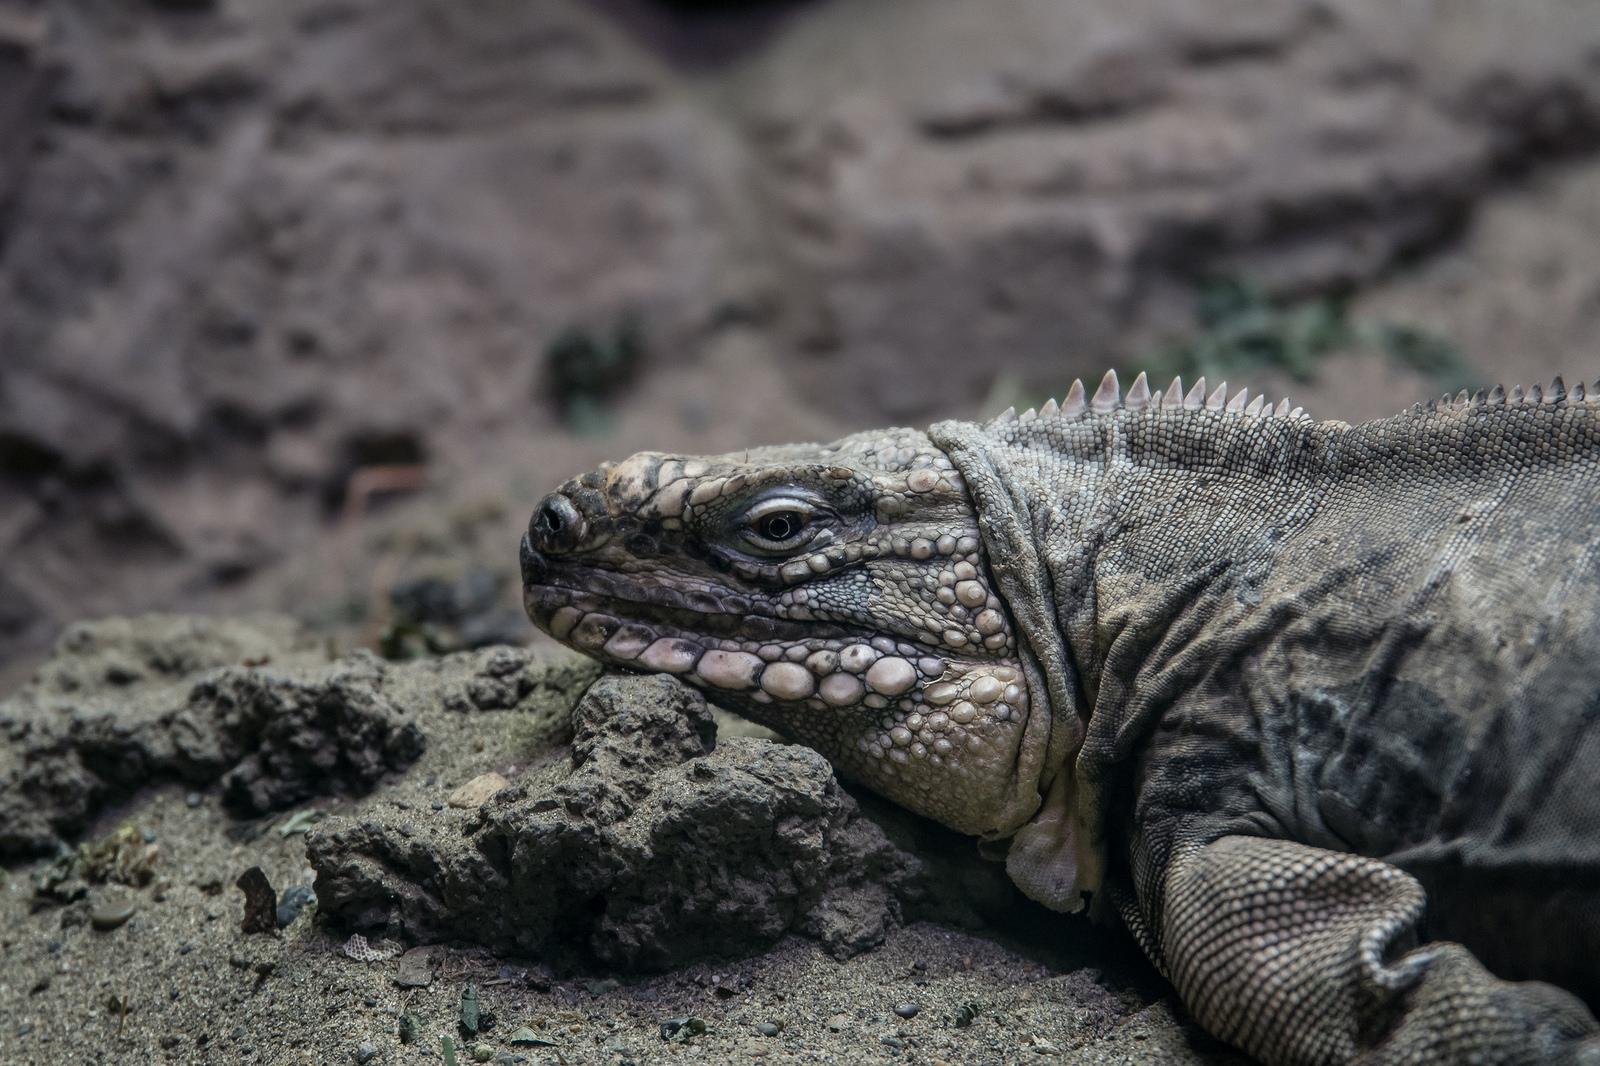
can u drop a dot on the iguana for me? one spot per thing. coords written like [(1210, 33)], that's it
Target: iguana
[(1262, 686)]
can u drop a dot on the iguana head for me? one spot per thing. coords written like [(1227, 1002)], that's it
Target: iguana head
[(839, 594)]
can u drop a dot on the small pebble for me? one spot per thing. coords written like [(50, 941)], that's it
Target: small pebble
[(525, 1037), (194, 799), (292, 902), (476, 793), (110, 913), (768, 1028), (482, 1052), (681, 1029), (365, 1052), (907, 1010)]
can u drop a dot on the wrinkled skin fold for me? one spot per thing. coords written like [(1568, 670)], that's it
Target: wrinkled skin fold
[(1313, 708)]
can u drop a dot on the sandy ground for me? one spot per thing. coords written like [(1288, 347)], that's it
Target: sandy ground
[(179, 983), (161, 969)]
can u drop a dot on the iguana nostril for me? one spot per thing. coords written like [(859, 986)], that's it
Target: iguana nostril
[(557, 525)]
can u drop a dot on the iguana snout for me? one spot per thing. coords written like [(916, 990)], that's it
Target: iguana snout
[(838, 593), (558, 526)]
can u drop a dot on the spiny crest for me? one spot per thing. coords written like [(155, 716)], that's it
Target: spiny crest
[(1555, 394), (1109, 397), (1075, 405)]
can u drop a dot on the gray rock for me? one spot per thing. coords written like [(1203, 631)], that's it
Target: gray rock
[(659, 845), (112, 912), (252, 704), (129, 702), (292, 902)]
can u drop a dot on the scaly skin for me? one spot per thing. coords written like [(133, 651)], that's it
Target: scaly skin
[(872, 635), (1267, 687)]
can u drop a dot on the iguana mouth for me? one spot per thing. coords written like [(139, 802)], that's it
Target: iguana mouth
[(545, 600), (606, 600)]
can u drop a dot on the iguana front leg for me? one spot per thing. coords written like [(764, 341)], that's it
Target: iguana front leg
[(1304, 956)]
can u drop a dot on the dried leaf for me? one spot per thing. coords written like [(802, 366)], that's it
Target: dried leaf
[(260, 902)]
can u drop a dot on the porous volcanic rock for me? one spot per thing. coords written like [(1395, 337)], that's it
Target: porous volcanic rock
[(656, 845), (128, 703)]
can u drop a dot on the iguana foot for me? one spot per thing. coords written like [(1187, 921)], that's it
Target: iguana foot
[(1304, 956)]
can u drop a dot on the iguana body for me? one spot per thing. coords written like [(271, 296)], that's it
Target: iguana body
[(1263, 684)]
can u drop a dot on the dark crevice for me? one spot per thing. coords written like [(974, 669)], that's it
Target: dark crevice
[(702, 35)]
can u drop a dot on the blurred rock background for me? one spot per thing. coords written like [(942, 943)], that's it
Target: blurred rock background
[(304, 303)]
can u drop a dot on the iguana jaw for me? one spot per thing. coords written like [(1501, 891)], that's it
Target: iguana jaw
[(872, 635)]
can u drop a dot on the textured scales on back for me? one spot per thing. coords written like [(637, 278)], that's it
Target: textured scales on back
[(1269, 689)]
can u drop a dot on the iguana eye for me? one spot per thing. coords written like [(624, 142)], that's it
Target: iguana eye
[(779, 525)]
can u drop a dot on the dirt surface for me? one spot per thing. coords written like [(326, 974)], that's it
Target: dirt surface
[(625, 868), (126, 703)]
